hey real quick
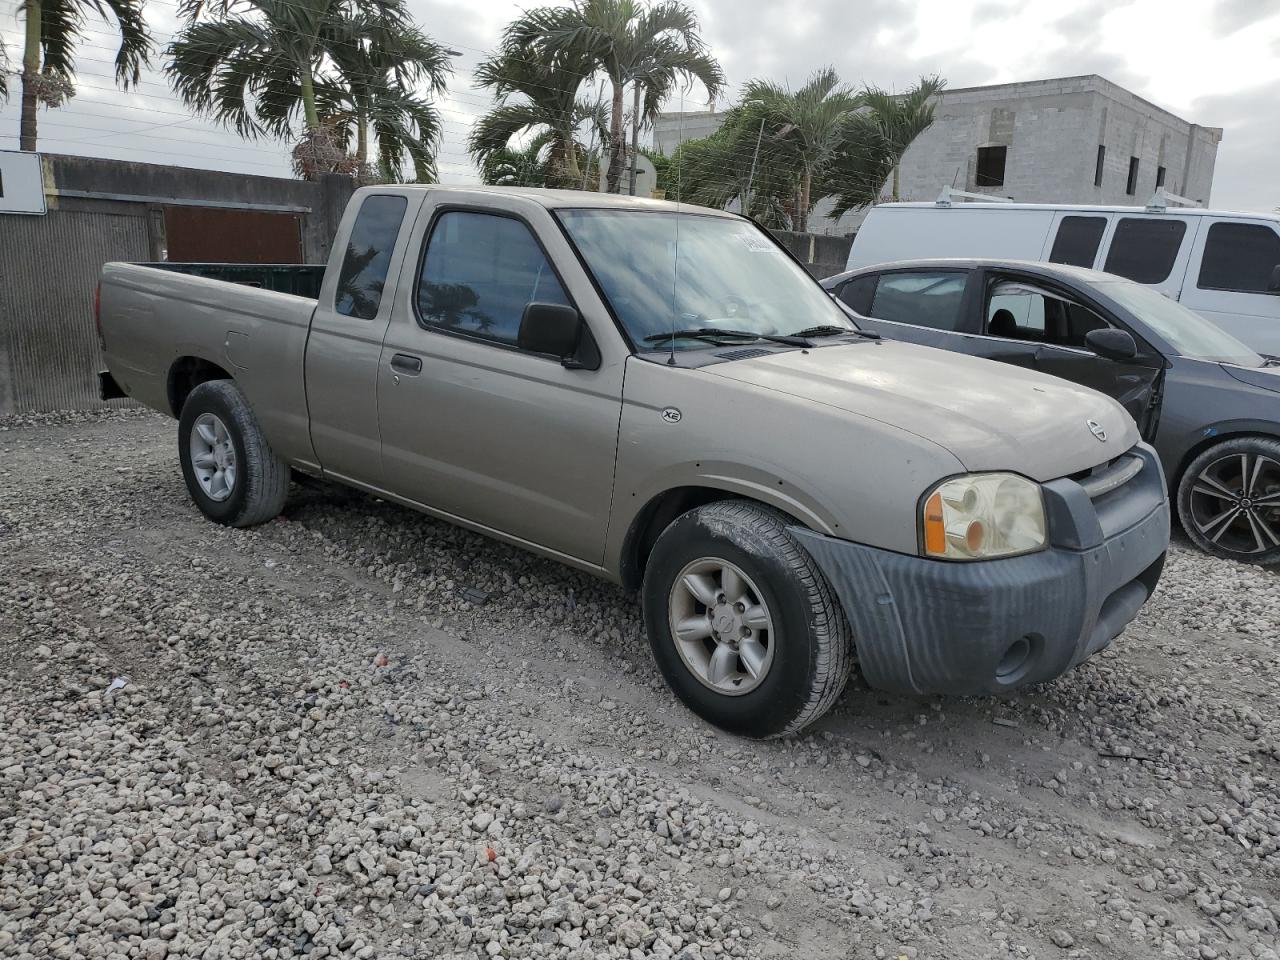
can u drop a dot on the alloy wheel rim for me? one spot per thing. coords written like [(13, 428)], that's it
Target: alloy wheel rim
[(721, 626), (213, 457), (1235, 503)]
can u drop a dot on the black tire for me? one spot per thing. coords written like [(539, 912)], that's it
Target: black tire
[(810, 640), (262, 478), (1251, 535)]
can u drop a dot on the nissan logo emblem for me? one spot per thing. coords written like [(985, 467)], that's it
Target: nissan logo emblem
[(1096, 429)]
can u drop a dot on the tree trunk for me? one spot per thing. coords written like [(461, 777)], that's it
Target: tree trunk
[(617, 142), (806, 182), (362, 140), (30, 76), (635, 135), (309, 97), (895, 182)]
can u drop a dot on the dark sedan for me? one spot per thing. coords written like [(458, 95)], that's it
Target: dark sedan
[(1209, 404)]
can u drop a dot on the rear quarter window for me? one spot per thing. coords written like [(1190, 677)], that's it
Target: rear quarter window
[(1240, 257), (368, 256)]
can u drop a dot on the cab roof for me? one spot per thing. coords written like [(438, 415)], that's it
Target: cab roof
[(555, 199)]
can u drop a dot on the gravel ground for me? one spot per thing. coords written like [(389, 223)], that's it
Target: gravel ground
[(324, 749)]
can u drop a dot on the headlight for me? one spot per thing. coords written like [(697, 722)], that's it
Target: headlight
[(982, 516)]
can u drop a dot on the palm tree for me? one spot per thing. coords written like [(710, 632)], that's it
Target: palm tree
[(900, 118), (261, 65), (536, 96), (53, 28), (530, 166), (631, 43), (379, 62), (809, 125)]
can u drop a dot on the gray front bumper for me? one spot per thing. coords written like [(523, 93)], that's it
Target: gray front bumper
[(933, 626)]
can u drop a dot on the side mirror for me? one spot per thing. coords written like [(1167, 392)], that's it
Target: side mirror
[(1273, 285), (1112, 344), (557, 330)]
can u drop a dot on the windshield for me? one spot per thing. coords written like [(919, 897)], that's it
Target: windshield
[(1189, 333), (723, 274)]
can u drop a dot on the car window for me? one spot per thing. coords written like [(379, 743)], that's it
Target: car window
[(1240, 257), (1144, 249), (1022, 310), (858, 293), (363, 273), (924, 298), (1016, 316), (1077, 240), (479, 273)]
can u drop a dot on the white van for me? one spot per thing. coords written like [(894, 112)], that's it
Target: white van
[(1225, 266)]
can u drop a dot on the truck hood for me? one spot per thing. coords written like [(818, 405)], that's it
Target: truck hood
[(988, 415)]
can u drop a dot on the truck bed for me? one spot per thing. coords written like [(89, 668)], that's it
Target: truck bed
[(298, 279)]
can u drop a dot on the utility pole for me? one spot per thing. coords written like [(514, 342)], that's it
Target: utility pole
[(751, 180)]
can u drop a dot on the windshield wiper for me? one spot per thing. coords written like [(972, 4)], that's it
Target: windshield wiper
[(712, 333), (831, 330)]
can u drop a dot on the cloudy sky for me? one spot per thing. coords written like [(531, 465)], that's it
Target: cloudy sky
[(1213, 62)]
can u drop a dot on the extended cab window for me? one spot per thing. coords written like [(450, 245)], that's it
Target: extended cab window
[(1144, 250), (1241, 257), (364, 266), (479, 273), (924, 299)]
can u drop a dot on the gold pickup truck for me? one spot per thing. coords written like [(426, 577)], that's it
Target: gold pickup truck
[(660, 395)]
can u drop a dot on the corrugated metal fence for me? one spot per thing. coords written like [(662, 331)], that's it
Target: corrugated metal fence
[(48, 273), (105, 210)]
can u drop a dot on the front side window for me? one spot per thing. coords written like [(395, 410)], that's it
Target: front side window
[(665, 271), (363, 273), (1022, 310), (924, 299), (1077, 241), (1144, 250), (1241, 257), (479, 273)]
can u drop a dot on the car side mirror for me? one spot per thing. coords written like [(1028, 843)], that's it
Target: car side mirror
[(1273, 285), (1112, 344), (561, 332)]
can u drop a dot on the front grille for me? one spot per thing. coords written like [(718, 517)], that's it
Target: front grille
[(1111, 476)]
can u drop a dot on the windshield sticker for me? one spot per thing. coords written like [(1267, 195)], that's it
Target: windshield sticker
[(756, 243)]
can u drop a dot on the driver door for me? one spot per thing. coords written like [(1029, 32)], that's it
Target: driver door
[(472, 425), (1048, 334)]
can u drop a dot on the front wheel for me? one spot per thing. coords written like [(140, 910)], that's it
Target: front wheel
[(742, 623), (233, 475), (1229, 500)]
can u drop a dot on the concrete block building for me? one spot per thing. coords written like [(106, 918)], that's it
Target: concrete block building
[(1070, 140)]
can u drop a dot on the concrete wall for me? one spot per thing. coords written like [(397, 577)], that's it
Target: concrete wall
[(99, 211), (822, 256)]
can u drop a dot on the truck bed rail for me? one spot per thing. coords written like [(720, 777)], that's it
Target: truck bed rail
[(298, 279)]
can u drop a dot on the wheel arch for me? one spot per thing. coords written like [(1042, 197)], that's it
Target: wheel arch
[(660, 511), (185, 374), (1221, 433)]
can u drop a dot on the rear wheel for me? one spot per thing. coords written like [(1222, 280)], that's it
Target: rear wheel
[(742, 623), (233, 475), (1229, 500)]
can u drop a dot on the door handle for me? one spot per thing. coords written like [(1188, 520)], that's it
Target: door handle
[(403, 363)]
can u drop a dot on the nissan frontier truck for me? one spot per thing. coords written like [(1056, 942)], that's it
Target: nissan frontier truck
[(659, 395)]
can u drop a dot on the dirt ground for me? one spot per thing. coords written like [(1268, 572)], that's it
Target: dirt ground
[(327, 746)]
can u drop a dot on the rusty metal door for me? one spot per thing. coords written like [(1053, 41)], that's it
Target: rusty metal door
[(226, 235)]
